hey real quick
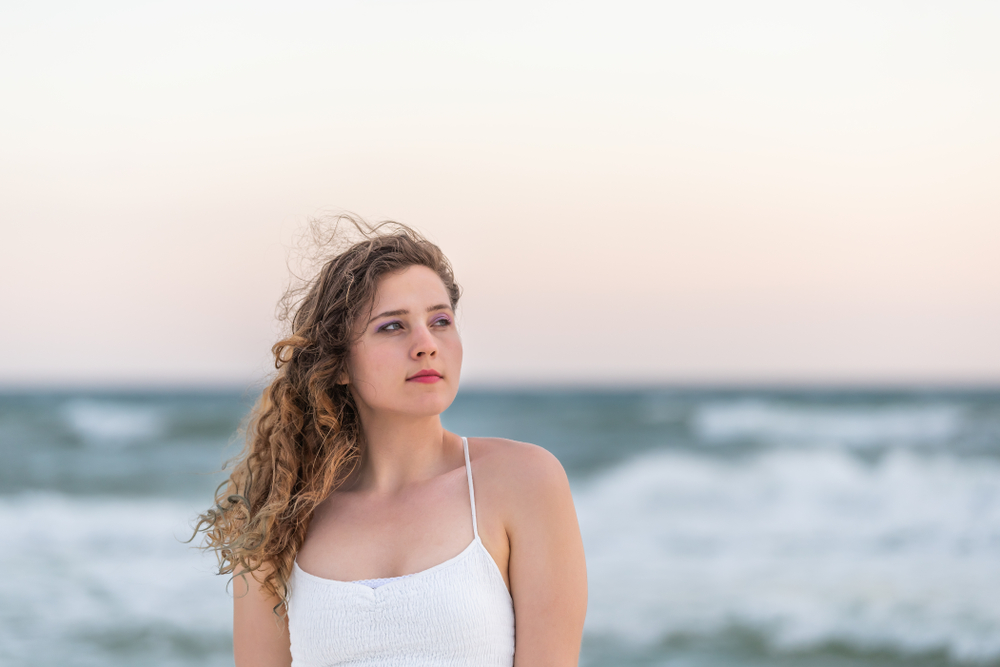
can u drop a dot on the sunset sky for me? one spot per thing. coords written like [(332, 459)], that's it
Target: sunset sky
[(707, 192)]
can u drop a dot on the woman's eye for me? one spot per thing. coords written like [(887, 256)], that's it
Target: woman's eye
[(391, 326), (443, 321)]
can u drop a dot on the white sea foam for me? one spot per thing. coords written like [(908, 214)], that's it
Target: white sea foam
[(82, 569), (111, 423), (806, 547), (774, 422)]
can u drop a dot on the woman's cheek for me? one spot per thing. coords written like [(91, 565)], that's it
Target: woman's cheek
[(456, 351)]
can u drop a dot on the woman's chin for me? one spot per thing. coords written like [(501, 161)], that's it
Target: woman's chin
[(417, 407), (431, 403)]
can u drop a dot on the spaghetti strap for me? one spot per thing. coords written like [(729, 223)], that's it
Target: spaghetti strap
[(472, 492)]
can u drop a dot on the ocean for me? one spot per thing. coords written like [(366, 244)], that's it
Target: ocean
[(722, 527)]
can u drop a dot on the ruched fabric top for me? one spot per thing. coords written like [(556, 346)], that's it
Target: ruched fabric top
[(455, 613)]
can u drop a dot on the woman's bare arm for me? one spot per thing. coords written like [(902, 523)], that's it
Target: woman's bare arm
[(548, 573), (260, 639)]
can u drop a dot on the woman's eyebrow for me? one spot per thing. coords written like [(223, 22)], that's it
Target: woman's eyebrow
[(397, 313), (389, 313)]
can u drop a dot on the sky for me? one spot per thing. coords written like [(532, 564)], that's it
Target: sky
[(656, 193)]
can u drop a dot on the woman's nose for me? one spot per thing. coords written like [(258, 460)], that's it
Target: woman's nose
[(424, 345)]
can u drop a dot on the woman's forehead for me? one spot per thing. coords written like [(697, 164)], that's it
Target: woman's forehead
[(410, 286)]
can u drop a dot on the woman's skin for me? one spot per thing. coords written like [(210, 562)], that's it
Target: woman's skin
[(406, 507)]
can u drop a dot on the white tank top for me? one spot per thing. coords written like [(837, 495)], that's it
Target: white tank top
[(455, 613)]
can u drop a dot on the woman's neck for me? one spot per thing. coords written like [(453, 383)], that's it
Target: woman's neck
[(400, 451)]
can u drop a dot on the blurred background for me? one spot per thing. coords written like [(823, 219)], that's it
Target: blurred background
[(735, 264)]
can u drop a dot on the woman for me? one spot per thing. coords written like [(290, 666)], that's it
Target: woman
[(367, 534)]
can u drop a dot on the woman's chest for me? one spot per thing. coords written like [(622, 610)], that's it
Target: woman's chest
[(361, 536)]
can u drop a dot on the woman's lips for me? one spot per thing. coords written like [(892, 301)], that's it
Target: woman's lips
[(425, 377)]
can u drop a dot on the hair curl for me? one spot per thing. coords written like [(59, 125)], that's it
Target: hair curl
[(304, 436)]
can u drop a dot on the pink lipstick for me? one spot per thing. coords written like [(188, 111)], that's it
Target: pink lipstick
[(424, 377)]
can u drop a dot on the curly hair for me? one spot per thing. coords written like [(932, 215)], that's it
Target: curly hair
[(304, 435)]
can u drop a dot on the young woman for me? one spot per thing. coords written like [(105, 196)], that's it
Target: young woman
[(367, 534)]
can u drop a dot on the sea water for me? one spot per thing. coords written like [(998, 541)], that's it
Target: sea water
[(739, 527)]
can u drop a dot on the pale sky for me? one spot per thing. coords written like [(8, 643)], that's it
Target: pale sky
[(654, 192)]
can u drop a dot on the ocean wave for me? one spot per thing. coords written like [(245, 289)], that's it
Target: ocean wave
[(113, 423), (807, 548), (92, 569), (863, 426)]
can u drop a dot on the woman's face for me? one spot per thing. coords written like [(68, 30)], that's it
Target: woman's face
[(409, 356)]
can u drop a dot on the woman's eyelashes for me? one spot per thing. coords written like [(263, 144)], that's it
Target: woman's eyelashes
[(390, 326), (439, 321)]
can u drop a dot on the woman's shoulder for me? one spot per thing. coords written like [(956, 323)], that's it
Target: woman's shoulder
[(519, 468), (530, 528)]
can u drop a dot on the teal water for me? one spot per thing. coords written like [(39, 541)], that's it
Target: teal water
[(722, 527)]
